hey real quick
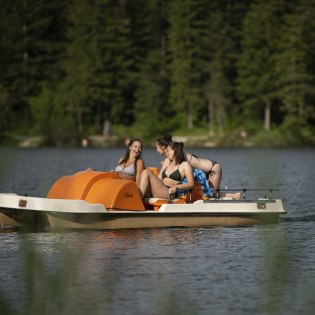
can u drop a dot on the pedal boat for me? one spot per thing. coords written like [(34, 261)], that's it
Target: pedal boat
[(102, 200)]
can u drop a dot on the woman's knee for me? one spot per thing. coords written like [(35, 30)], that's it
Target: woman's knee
[(146, 173)]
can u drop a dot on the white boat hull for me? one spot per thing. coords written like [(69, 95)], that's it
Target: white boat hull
[(19, 211)]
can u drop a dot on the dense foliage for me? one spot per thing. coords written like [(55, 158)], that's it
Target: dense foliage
[(145, 67)]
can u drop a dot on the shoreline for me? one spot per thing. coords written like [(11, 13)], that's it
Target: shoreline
[(101, 141), (194, 141)]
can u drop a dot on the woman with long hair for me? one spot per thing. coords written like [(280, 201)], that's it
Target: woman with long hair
[(171, 175), (131, 165), (211, 168)]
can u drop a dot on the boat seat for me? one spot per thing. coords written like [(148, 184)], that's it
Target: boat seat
[(156, 203), (194, 194), (189, 197)]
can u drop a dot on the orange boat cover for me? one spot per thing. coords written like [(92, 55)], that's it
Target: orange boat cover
[(98, 188)]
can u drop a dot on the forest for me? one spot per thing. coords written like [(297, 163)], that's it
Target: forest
[(225, 69)]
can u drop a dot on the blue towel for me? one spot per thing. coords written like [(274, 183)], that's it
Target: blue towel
[(201, 178)]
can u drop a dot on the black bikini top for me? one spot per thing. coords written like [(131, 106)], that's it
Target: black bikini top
[(174, 175)]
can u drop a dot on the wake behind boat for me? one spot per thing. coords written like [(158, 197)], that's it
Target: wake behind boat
[(102, 200)]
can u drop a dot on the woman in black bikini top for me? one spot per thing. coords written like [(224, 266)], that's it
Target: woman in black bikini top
[(212, 168), (163, 186), (174, 175)]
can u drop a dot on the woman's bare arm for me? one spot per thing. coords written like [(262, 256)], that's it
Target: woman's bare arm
[(140, 168), (187, 171), (165, 164)]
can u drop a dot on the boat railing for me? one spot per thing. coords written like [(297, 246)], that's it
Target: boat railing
[(268, 192)]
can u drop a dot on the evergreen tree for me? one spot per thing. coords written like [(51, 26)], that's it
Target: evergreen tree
[(185, 35), (4, 112), (152, 83), (218, 51), (43, 31), (97, 63), (256, 66), (295, 81), (112, 82), (10, 61), (78, 62), (32, 40), (151, 99), (309, 40)]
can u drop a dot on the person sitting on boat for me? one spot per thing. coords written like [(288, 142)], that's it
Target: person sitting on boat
[(169, 180), (211, 168), (131, 165)]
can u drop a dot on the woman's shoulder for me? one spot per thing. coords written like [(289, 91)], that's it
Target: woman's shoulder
[(185, 164), (188, 156), (166, 162), (140, 162)]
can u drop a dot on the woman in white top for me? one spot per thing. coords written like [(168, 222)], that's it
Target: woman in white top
[(131, 165)]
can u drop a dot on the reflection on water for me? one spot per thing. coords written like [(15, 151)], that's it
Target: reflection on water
[(248, 270)]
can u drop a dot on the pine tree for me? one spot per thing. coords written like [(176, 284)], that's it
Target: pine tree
[(78, 65), (295, 81), (32, 41), (112, 82), (97, 63), (256, 66), (10, 62), (152, 82), (4, 113), (218, 51), (309, 39), (185, 36)]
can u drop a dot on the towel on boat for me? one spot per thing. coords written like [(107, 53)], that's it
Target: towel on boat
[(201, 178)]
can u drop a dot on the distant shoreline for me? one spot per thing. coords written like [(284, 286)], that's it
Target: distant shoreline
[(201, 141)]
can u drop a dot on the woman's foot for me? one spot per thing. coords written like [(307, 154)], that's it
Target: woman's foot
[(236, 196)]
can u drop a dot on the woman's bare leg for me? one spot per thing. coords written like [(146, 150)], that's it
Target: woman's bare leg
[(144, 184), (215, 177), (215, 180), (150, 182)]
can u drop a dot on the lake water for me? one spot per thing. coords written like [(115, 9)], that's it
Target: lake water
[(267, 269)]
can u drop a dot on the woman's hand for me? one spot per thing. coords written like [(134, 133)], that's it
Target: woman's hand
[(172, 190)]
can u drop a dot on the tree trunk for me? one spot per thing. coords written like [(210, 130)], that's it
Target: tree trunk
[(220, 120), (79, 120), (267, 116), (190, 123), (210, 117)]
